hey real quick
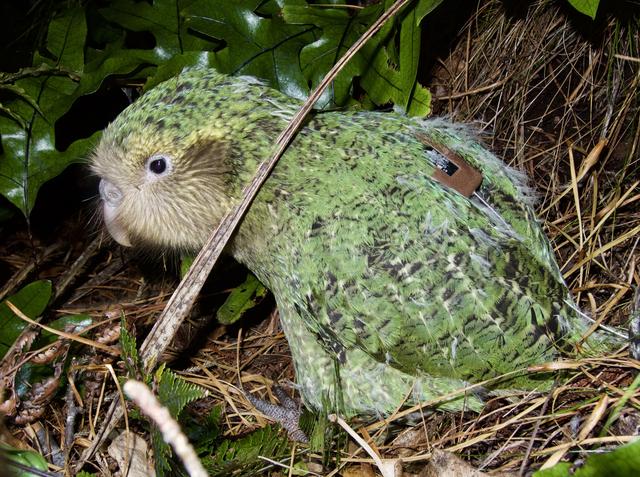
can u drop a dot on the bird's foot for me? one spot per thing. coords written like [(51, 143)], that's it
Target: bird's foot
[(287, 414)]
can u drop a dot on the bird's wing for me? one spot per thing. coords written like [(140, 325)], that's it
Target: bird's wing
[(412, 272)]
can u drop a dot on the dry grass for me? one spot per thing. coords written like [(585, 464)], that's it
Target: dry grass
[(561, 107), (564, 109)]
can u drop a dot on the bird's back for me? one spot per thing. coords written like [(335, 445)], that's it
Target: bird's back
[(373, 253)]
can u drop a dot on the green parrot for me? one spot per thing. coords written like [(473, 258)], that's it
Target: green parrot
[(393, 285)]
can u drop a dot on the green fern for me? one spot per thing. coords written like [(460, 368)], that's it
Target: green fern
[(174, 393), (203, 432), (242, 456), (130, 354)]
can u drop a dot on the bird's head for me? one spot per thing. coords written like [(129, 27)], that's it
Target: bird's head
[(169, 164)]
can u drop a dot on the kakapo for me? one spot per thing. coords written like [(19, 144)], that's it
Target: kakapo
[(391, 285)]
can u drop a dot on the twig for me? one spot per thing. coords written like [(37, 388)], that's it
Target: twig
[(388, 467), (70, 336), (64, 281), (536, 428), (24, 272)]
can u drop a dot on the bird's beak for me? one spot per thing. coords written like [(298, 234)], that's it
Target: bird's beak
[(111, 197)]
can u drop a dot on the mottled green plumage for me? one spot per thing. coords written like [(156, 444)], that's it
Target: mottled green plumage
[(389, 284)]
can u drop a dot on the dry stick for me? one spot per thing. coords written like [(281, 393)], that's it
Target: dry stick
[(534, 434), (62, 334), (76, 267), (21, 275), (187, 291), (387, 467), (72, 413)]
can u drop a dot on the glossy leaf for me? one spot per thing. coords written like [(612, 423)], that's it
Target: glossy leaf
[(28, 161), (255, 45), (240, 300), (588, 7), (384, 84), (162, 18), (25, 459), (30, 157), (409, 57), (424, 7), (30, 300), (379, 73), (22, 95), (170, 68), (115, 61), (74, 322), (337, 29)]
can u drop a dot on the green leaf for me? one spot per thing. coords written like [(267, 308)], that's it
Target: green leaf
[(424, 7), (384, 84), (170, 68), (383, 80), (559, 470), (66, 37), (621, 462), (175, 47), (255, 45), (29, 157), (10, 114), (588, 7), (409, 57), (162, 18), (203, 433), (21, 94), (30, 160), (174, 392), (76, 322), (240, 300), (185, 264), (316, 426), (30, 375), (614, 414), (25, 458), (114, 61), (337, 31), (32, 301)]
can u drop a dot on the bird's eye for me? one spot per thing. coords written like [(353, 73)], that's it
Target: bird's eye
[(158, 166)]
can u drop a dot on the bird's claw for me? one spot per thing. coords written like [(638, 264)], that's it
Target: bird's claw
[(287, 414)]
